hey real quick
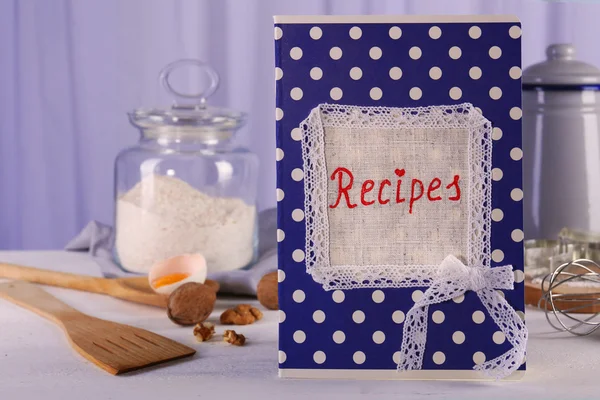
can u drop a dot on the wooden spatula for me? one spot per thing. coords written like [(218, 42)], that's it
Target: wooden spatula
[(136, 289), (117, 348)]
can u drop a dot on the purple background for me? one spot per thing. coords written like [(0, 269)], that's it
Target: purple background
[(70, 70)]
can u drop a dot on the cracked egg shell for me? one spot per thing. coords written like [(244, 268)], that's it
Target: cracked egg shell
[(167, 275)]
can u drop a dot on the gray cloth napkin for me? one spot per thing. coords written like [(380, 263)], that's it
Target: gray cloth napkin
[(97, 239)]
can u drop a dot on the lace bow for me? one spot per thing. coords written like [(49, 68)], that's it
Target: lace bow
[(455, 279)]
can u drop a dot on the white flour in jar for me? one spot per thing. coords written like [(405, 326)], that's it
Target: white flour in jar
[(162, 217)]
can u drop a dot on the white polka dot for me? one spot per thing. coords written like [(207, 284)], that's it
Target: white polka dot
[(516, 194), (282, 357), (458, 337), (435, 32), (298, 296), (395, 32), (475, 32), (336, 93), (297, 174), (516, 153), (495, 93), (416, 295), (439, 358), (335, 53), (378, 296), (515, 72), (524, 360), (280, 235), (415, 53), (319, 316), (278, 154), (475, 73), (478, 109), (478, 317), (396, 357), (278, 33), (281, 316), (435, 73), (498, 337), (296, 93), (438, 317), (398, 317), (319, 357), (517, 235), (519, 276), (496, 133), (299, 337), (358, 317), (500, 293), (356, 73), (280, 194), (296, 53), (278, 114), (316, 73), (338, 296), (516, 113), (355, 32), (479, 358), (514, 32), (497, 174), (298, 255), (455, 52), (459, 299), (296, 134), (395, 73), (297, 215), (497, 214), (521, 315), (415, 93), (280, 275), (316, 32), (278, 73), (375, 53), (339, 337), (497, 255), (455, 93), (359, 357), (376, 93), (495, 52), (378, 337)]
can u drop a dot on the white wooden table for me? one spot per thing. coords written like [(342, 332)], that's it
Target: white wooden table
[(37, 363)]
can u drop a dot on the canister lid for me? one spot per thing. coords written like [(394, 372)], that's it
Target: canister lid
[(189, 111), (561, 71)]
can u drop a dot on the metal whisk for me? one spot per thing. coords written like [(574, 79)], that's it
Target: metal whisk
[(574, 310)]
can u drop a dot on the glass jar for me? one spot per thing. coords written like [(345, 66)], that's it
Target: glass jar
[(185, 187)]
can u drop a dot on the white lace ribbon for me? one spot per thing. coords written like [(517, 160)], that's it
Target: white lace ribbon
[(454, 279)]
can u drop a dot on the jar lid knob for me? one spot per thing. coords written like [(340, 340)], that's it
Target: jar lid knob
[(560, 51), (200, 97)]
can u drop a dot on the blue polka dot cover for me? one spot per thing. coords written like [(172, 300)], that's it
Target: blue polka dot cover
[(399, 197)]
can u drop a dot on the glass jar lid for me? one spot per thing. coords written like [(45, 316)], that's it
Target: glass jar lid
[(561, 71), (189, 112)]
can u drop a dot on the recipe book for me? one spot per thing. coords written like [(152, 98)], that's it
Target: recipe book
[(399, 197)]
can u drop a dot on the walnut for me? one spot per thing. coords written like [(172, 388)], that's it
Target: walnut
[(242, 314), (234, 338), (191, 303), (203, 331), (266, 291)]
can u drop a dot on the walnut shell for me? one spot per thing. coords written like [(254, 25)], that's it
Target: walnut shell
[(191, 303), (267, 291)]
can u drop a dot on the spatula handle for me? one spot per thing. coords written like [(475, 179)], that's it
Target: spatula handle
[(53, 278), (37, 300)]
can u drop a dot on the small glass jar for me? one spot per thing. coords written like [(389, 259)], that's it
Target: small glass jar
[(185, 187)]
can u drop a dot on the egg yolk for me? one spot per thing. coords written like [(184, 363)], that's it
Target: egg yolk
[(168, 279)]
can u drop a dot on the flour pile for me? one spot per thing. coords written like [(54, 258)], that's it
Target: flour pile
[(162, 217)]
